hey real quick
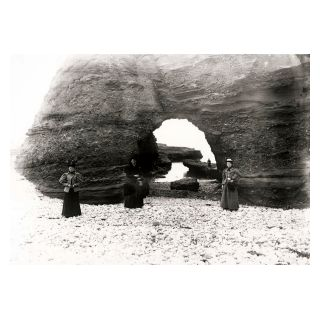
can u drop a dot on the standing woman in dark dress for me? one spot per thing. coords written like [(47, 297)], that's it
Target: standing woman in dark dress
[(230, 180), (71, 181)]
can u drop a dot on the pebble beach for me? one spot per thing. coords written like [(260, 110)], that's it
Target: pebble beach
[(165, 231)]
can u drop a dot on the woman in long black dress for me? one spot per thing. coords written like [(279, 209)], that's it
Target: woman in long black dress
[(230, 181), (71, 181)]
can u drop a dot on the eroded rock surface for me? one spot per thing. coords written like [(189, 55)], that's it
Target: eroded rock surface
[(252, 108)]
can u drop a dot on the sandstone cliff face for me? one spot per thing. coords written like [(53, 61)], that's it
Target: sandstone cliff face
[(101, 109)]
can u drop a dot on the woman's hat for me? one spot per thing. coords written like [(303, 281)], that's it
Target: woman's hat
[(72, 163), (229, 160)]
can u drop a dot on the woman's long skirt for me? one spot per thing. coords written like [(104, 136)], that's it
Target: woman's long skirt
[(71, 204), (130, 201), (229, 199)]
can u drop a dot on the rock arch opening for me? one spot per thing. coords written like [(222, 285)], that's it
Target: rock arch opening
[(183, 133), (185, 145)]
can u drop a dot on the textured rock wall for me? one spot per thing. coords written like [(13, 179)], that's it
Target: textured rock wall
[(253, 108)]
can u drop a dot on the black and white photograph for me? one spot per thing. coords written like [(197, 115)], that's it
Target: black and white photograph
[(163, 159), (160, 160)]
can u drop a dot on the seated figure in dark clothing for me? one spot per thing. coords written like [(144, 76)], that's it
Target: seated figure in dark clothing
[(136, 187), (130, 189), (135, 190)]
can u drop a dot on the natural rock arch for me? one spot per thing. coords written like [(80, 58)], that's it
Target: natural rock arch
[(183, 133), (253, 108), (213, 135)]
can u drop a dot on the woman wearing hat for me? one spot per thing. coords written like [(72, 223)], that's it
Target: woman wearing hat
[(230, 180), (71, 181)]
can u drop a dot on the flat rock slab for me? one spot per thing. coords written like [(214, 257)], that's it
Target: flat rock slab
[(185, 184)]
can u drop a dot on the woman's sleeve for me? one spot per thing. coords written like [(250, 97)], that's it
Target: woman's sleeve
[(223, 177), (63, 179), (237, 176)]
